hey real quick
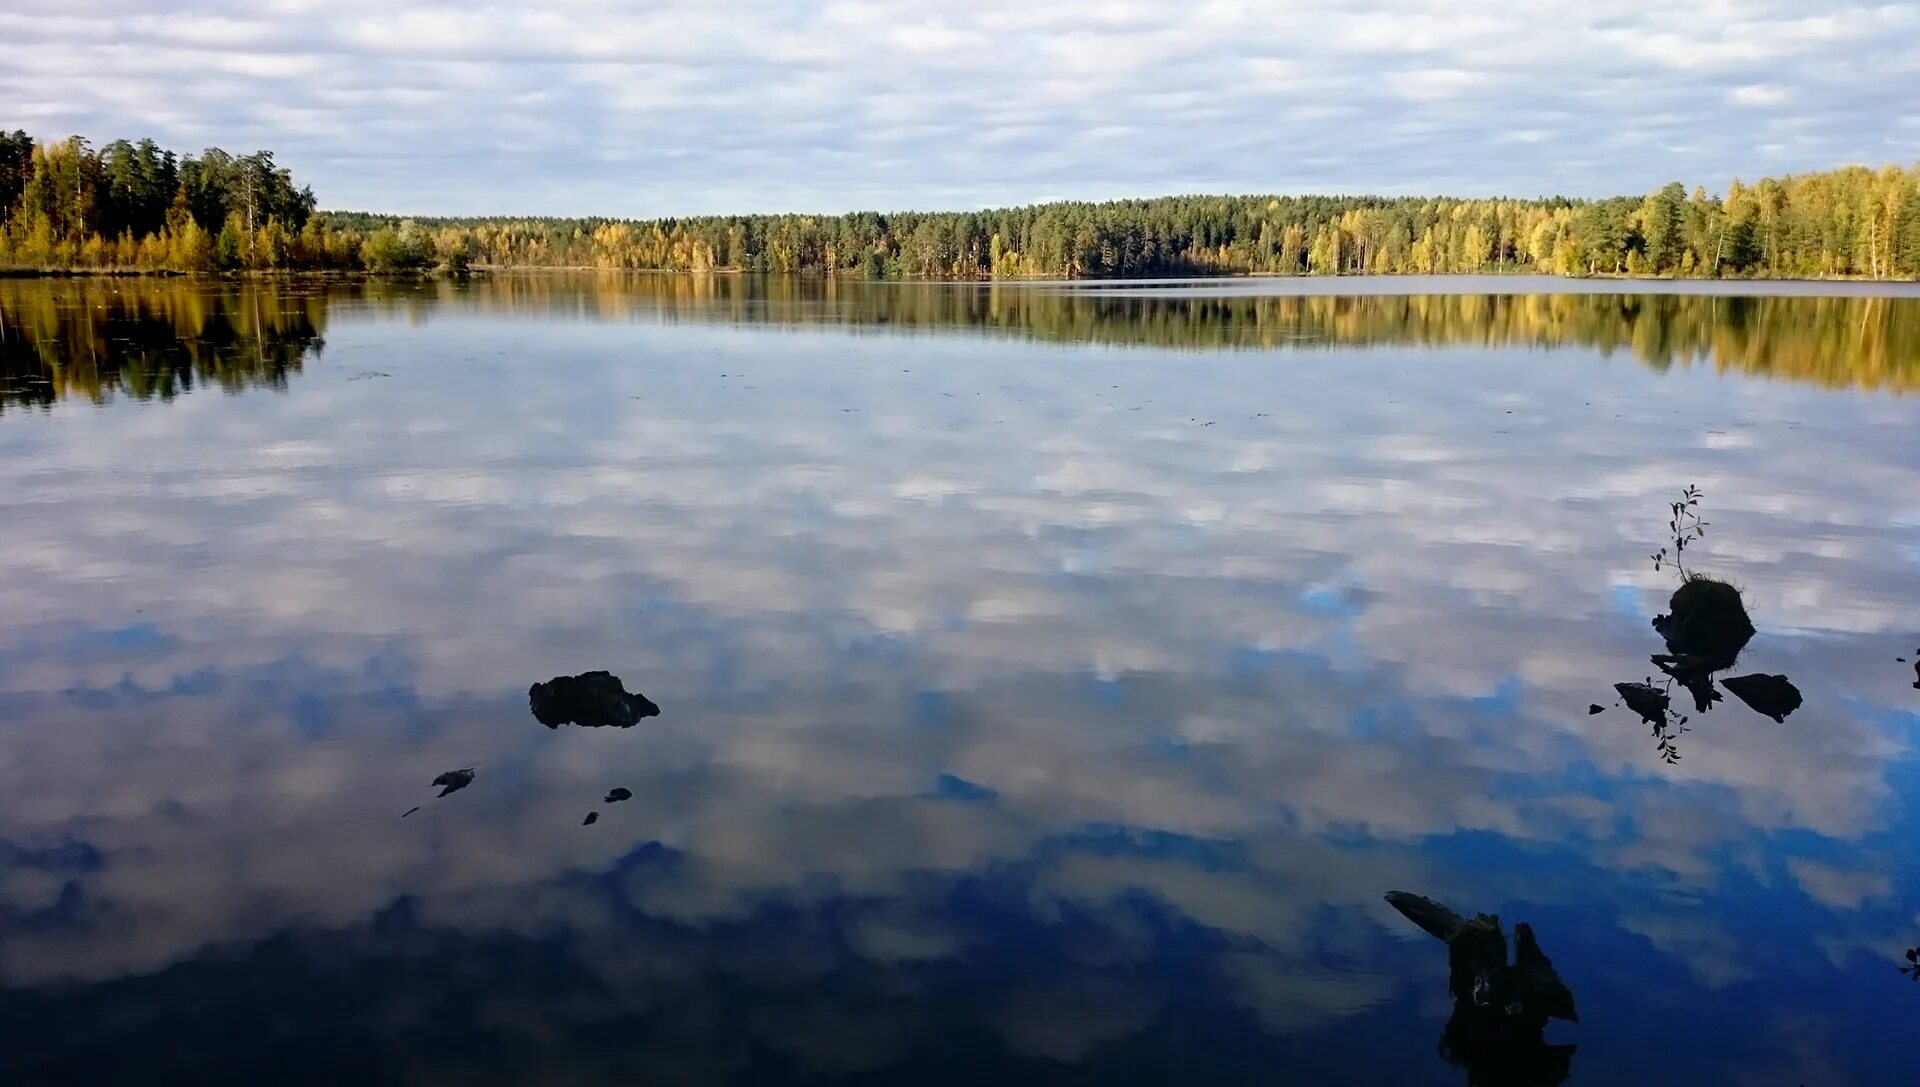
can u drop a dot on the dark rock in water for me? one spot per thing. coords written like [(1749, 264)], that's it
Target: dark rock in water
[(1706, 625), (1774, 696), (1705, 629), (1648, 701), (454, 780), (1500, 1010), (592, 818), (615, 796), (591, 700), (1595, 708)]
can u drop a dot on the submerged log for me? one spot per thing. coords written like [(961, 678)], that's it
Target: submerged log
[(1434, 919)]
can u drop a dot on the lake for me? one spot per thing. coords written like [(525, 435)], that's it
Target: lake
[(1052, 680)]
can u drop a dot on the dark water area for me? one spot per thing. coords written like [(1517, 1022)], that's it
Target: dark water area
[(1038, 683)]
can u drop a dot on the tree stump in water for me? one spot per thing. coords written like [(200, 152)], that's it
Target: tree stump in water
[(1500, 1009)]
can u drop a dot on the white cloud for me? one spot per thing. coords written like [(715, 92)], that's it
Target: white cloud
[(591, 107), (1427, 84), (1761, 95)]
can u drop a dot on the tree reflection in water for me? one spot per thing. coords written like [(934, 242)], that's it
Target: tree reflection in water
[(158, 338), (150, 340)]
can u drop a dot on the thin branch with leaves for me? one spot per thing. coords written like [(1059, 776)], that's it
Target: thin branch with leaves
[(1670, 728), (1685, 526)]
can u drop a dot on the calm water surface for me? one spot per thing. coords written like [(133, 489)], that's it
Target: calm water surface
[(1052, 680)]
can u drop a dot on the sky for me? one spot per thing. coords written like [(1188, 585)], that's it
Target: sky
[(693, 106)]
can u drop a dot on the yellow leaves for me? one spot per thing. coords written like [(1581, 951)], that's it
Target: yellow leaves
[(611, 244)]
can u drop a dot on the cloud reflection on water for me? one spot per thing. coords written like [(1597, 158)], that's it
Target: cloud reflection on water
[(1241, 678)]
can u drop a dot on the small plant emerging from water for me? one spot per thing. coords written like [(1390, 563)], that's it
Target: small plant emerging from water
[(1706, 628), (1650, 701), (1685, 527)]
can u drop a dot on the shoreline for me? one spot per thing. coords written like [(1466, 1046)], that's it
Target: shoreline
[(1193, 286), (1196, 277)]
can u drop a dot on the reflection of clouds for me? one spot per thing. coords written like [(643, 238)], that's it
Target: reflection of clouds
[(1096, 614), (1292, 996), (902, 939), (1715, 959), (1840, 888), (1887, 944), (1065, 1017)]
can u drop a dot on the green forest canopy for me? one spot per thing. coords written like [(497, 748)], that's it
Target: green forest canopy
[(133, 206)]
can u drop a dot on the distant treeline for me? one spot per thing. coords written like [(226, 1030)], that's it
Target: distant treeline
[(136, 207)]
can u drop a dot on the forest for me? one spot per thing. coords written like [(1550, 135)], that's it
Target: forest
[(68, 206)]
